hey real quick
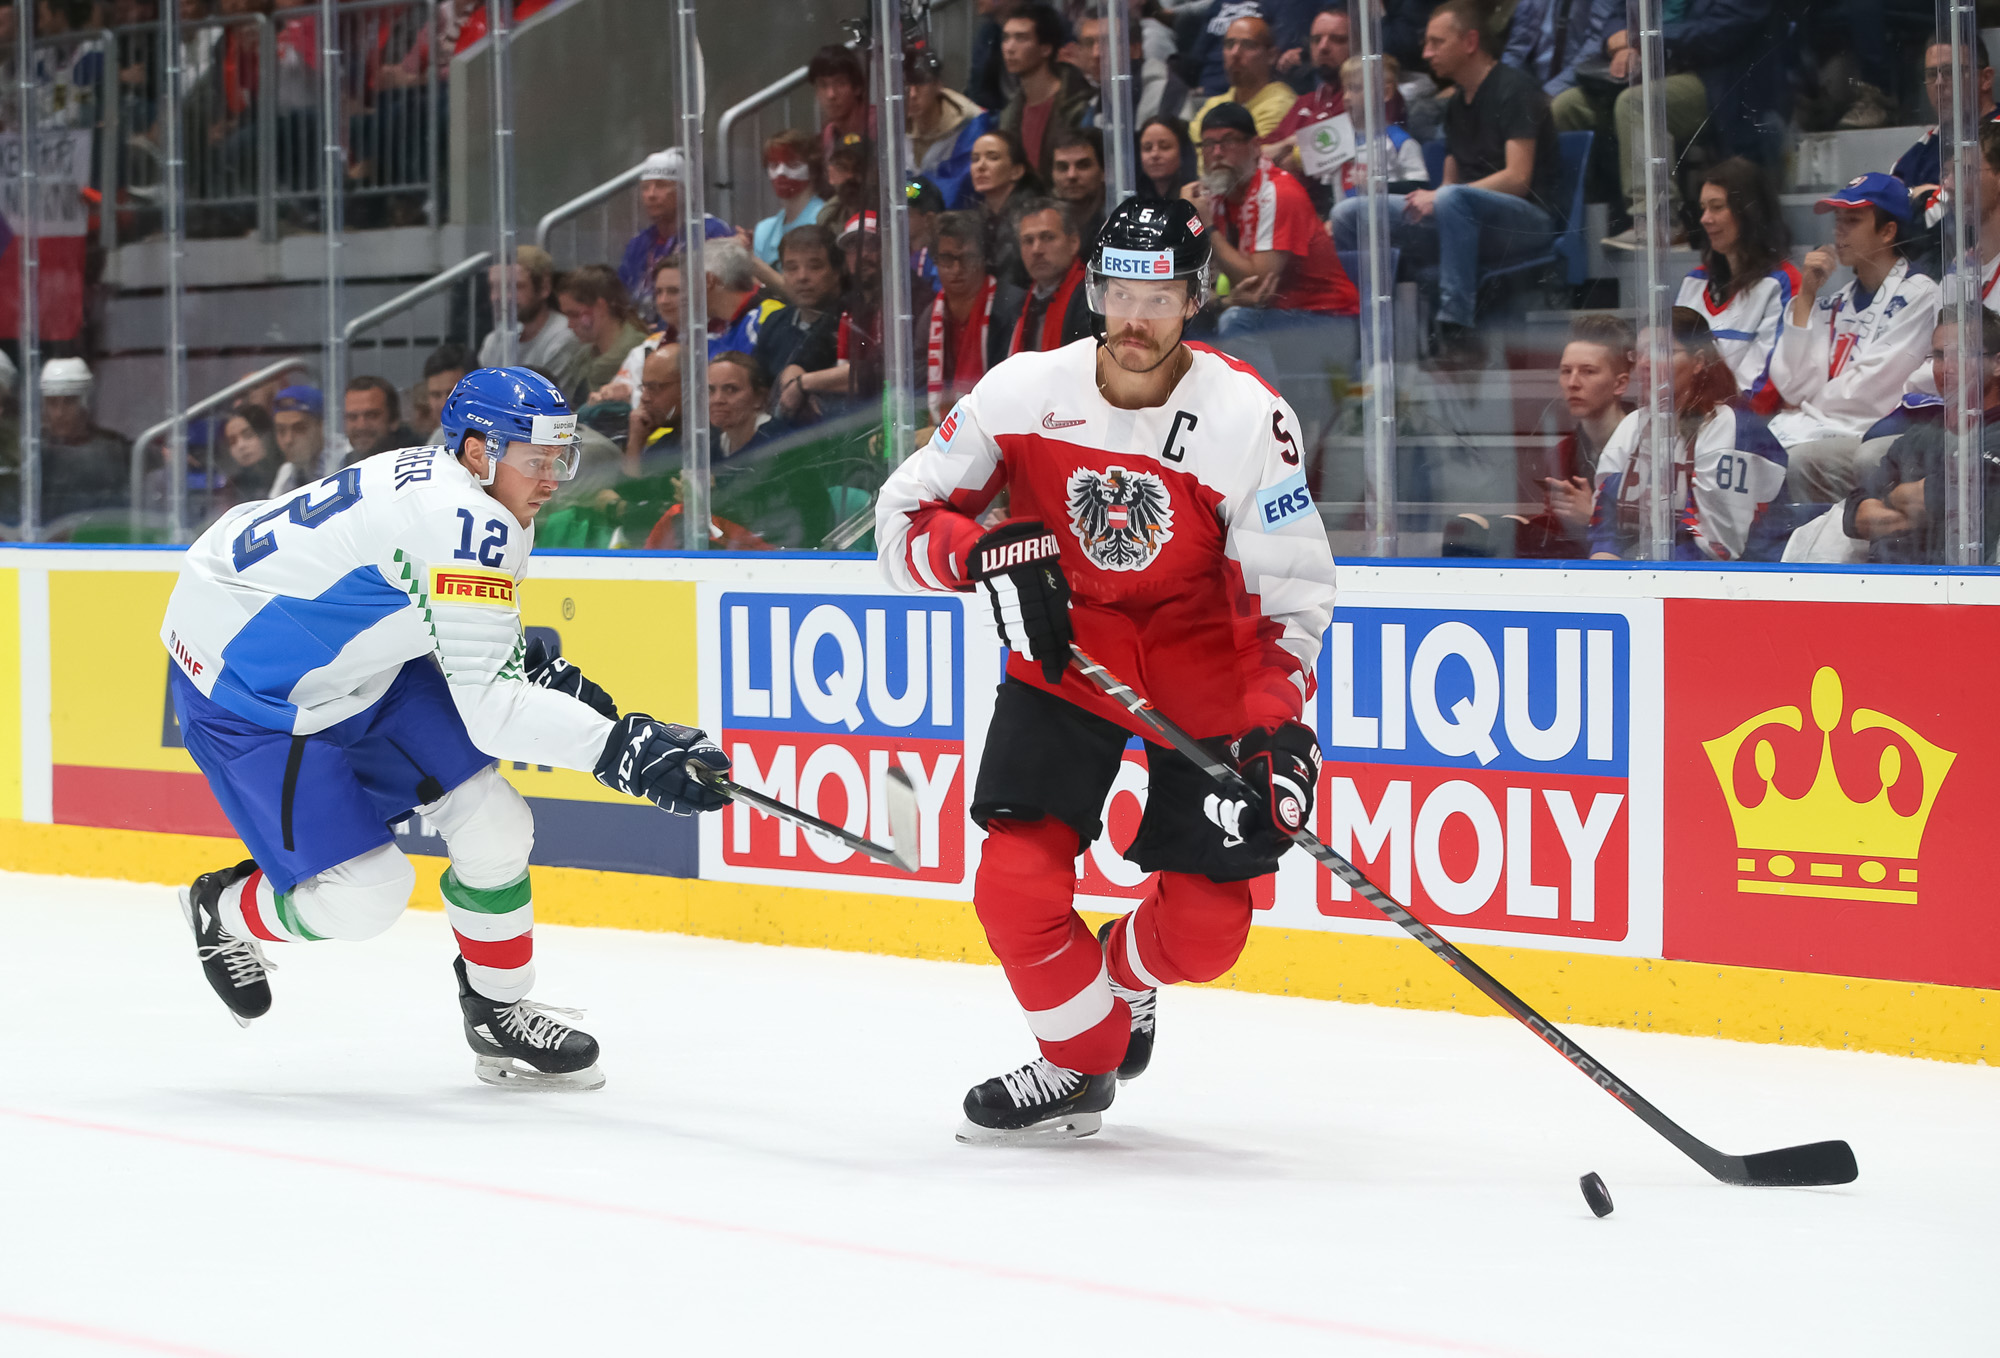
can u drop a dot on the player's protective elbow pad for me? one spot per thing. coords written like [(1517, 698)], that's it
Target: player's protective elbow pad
[(1020, 564)]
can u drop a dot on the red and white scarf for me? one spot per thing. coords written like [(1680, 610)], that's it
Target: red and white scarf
[(982, 310), (1052, 318)]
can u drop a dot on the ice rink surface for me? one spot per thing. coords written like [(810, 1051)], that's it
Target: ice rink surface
[(771, 1170)]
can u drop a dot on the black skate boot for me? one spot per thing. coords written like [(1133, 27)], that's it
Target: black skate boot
[(1143, 1003), (236, 967), (1041, 1101), (518, 1046)]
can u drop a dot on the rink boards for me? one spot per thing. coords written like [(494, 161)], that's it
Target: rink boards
[(1749, 803)]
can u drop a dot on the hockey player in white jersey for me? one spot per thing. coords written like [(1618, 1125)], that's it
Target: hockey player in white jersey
[(1727, 470), (353, 652), (1161, 521)]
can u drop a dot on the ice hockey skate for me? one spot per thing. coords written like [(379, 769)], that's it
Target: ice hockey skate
[(1143, 1004), (519, 1046), (236, 968), (1041, 1101)]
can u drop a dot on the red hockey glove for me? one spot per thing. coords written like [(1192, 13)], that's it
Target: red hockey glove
[(1282, 769), (1019, 565)]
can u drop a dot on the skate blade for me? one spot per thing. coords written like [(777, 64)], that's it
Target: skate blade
[(504, 1073), (1069, 1127)]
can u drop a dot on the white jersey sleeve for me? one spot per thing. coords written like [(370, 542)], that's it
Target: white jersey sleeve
[(926, 516), (1848, 367)]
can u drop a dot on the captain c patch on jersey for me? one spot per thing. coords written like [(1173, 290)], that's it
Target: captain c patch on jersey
[(1122, 518)]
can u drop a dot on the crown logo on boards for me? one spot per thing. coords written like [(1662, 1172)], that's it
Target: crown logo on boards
[(1826, 843)]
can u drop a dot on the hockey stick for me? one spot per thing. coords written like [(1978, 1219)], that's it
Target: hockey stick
[(900, 796), (1822, 1162)]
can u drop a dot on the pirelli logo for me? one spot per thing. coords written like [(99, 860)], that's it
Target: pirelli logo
[(464, 586)]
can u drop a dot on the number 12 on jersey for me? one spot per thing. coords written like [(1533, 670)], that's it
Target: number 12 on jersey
[(256, 541)]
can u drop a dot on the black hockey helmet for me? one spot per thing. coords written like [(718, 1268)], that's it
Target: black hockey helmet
[(1145, 238)]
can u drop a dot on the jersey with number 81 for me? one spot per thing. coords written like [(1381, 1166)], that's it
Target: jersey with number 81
[(296, 613), (1198, 567)]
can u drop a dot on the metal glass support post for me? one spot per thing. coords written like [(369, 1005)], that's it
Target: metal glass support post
[(30, 227), (433, 128), (1378, 297), (1958, 145), (506, 320), (332, 182), (1116, 92), (899, 386), (1656, 534), (268, 187), (175, 207), (688, 99), (111, 133)]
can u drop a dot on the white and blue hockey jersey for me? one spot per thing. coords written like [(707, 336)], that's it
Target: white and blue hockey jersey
[(1725, 476), (1851, 362), (1745, 327), (298, 612)]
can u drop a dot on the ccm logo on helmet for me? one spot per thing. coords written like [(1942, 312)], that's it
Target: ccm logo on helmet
[(1015, 553), (1136, 263)]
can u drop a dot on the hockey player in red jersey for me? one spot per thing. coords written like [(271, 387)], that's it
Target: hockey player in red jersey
[(1161, 520)]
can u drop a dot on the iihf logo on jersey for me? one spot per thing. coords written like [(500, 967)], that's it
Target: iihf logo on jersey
[(1121, 517)]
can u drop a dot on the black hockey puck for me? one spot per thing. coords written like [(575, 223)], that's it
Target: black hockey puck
[(1596, 1194)]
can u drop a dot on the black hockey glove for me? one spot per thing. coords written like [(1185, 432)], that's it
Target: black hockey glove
[(648, 758), (1019, 565), (1282, 769), (552, 671)]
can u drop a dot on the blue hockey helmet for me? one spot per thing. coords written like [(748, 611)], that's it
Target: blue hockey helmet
[(506, 406)]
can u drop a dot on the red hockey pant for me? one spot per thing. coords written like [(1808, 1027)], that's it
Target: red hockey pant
[(1187, 929)]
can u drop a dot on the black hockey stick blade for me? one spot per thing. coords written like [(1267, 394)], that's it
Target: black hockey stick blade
[(899, 794), (1821, 1163)]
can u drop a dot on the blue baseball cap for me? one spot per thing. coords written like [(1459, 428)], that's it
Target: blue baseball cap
[(302, 398), (1873, 189)]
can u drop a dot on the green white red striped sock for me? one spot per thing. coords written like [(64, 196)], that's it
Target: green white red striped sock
[(250, 909), (495, 928)]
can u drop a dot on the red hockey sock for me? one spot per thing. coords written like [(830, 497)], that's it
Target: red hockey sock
[(1026, 878), (1187, 929)]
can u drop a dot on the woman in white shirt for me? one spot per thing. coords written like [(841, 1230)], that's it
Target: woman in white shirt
[(1744, 282)]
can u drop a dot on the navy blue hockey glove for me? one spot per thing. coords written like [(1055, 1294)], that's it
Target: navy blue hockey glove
[(1282, 769), (648, 758), (552, 671), (1019, 563)]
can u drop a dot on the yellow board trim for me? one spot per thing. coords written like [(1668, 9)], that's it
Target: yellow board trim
[(1746, 1004)]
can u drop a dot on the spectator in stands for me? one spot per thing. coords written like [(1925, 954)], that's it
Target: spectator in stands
[(1281, 263), (1056, 311), (298, 420), (1551, 39), (737, 306), (850, 178), (1989, 214), (738, 390), (1498, 200), (1595, 374), (84, 467), (1727, 472), (1402, 153), (1842, 361), (925, 205), (543, 339), (265, 393), (1052, 96), (1247, 57), (841, 85), (988, 84), (1002, 178), (943, 126), (656, 416), (1899, 507), (1205, 65), (660, 179), (800, 339), (598, 307), (251, 456), (1157, 87), (1078, 179), (792, 164), (443, 368), (1920, 165), (667, 302), (1163, 158), (806, 395), (971, 319), (1744, 281), (372, 419), (1329, 45)]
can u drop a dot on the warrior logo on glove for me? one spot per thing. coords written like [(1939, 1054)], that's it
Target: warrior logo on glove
[(1122, 518), (1020, 565)]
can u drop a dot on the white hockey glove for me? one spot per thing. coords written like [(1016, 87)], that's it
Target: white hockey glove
[(1282, 769), (1020, 565), (648, 758)]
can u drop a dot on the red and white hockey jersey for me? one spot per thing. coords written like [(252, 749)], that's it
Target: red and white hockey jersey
[(1198, 566), (1850, 363)]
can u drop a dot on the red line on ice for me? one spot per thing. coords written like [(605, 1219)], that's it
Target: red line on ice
[(795, 1238), (102, 1336)]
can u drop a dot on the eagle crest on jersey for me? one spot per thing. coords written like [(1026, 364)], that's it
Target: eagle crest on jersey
[(1121, 517)]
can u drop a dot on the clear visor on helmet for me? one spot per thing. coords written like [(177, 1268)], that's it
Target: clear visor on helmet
[(542, 461), (1149, 299)]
